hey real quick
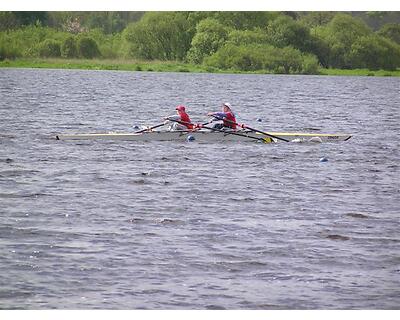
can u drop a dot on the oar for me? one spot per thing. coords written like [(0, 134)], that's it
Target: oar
[(226, 132), (151, 128), (251, 129), (199, 126)]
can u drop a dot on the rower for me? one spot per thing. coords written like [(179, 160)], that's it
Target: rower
[(183, 118), (227, 116)]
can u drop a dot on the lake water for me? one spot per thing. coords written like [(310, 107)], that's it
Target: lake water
[(185, 225)]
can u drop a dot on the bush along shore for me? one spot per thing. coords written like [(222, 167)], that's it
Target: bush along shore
[(328, 43), (164, 66)]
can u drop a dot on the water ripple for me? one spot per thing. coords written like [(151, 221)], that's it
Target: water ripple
[(166, 225)]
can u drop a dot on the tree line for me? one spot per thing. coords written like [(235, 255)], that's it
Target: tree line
[(277, 42)]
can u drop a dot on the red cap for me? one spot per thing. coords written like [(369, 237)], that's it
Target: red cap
[(180, 108)]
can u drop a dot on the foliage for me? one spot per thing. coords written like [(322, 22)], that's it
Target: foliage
[(27, 40), (210, 36), (317, 18), (8, 51), (280, 42), (110, 46), (26, 18), (8, 21), (345, 29), (50, 49), (69, 48), (284, 31), (310, 64), (262, 57), (159, 35), (245, 37), (108, 22), (244, 20), (391, 31), (375, 52), (87, 48), (339, 35)]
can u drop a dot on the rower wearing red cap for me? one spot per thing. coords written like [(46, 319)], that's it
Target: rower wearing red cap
[(227, 116), (183, 119)]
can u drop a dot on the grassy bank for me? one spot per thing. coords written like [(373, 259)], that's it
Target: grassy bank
[(101, 64), (159, 66), (360, 72)]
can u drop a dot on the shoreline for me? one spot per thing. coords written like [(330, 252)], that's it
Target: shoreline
[(166, 66)]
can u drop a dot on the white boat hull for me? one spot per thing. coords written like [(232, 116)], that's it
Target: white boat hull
[(207, 136)]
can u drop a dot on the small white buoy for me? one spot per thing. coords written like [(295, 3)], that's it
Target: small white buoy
[(323, 159), (190, 138)]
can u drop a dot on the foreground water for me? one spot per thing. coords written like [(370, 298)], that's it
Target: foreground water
[(168, 225)]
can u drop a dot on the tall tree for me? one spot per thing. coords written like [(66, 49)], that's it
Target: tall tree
[(160, 35), (31, 17), (391, 31), (210, 36), (340, 34)]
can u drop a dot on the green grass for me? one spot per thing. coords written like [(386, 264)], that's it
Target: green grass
[(159, 66), (127, 65), (360, 72)]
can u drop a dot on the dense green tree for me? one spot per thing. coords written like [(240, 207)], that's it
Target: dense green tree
[(391, 31), (284, 31), (292, 14), (87, 48), (31, 17), (317, 18), (340, 34), (8, 21), (310, 64), (291, 60), (244, 37), (210, 36), (375, 52), (50, 49), (346, 29), (159, 35), (320, 48), (262, 57), (108, 22), (69, 48), (245, 58), (8, 51), (244, 20)]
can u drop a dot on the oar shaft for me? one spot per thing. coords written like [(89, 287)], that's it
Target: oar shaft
[(151, 128), (237, 134), (252, 129)]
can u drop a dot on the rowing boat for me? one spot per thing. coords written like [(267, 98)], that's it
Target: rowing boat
[(207, 136)]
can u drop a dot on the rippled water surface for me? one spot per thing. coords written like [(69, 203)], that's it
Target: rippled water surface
[(185, 225)]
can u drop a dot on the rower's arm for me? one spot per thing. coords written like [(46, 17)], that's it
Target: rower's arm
[(173, 117), (219, 114)]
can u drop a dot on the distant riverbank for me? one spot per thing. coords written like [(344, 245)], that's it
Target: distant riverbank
[(161, 66)]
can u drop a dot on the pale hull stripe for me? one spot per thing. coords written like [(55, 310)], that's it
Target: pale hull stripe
[(204, 136)]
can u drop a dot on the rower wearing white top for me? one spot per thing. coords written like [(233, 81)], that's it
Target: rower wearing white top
[(227, 116)]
